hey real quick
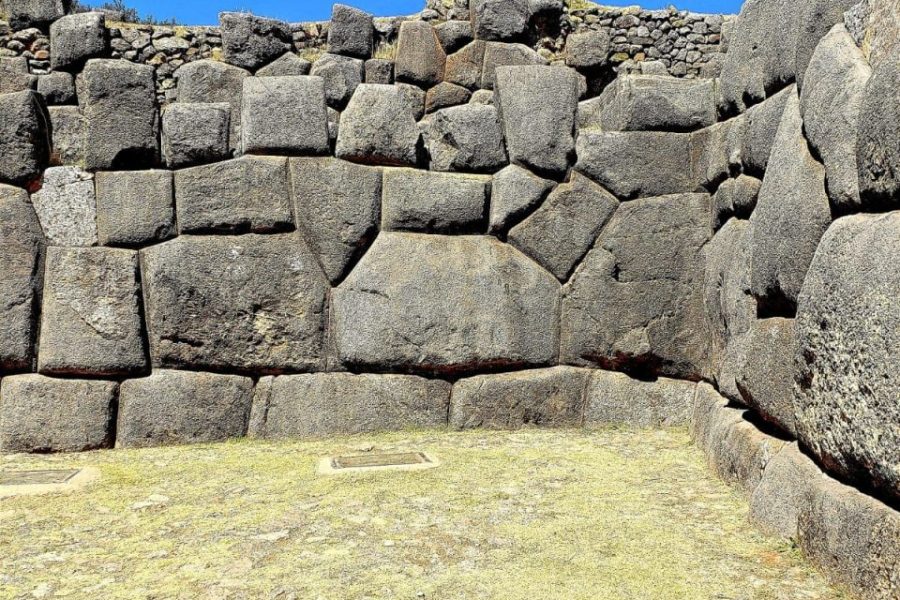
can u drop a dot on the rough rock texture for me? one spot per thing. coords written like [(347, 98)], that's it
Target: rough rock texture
[(341, 403), (878, 145), (790, 217), (542, 397), (814, 20), (782, 493), (240, 195), (425, 201), (497, 54), (350, 32), (57, 88), (212, 81), (848, 325), (181, 407), (253, 303), (286, 65), (134, 208), (284, 115), (21, 251), (464, 67), (515, 192), (91, 320), (342, 75), (24, 137), (448, 304), (15, 76), (378, 127), (538, 105), (635, 302), (379, 70), (195, 133), (68, 135), (735, 198), (465, 138), (454, 34), (559, 233), (616, 399), (414, 98), (34, 13), (118, 100), (658, 103), (66, 207), (499, 19), (420, 57), (39, 414), (766, 381), (444, 95), (338, 208), (251, 42), (76, 38), (587, 50), (711, 418), (760, 128)]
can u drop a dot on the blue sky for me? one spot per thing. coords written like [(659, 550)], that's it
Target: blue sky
[(204, 12)]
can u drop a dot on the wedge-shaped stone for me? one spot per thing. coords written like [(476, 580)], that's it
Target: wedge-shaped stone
[(499, 19), (76, 38), (878, 147), (350, 32), (537, 105), (848, 324), (66, 207), (288, 64), (465, 138), (498, 54), (782, 493), (659, 103), (24, 137), (378, 127), (445, 95), (284, 115), (40, 414), (342, 75), (251, 42), (790, 217), (21, 248), (34, 13), (760, 129), (563, 229), (338, 208), (134, 208), (420, 56), (515, 192), (541, 397), (341, 403), (433, 303), (426, 201), (253, 303), (240, 195), (212, 81), (616, 399), (195, 133), (815, 18), (636, 301), (182, 407)]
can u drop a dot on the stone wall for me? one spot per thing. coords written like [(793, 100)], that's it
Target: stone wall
[(470, 236)]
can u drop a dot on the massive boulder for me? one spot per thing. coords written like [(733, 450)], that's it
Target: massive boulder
[(350, 32), (431, 303), (212, 81), (616, 399), (251, 42), (252, 303), (878, 142), (420, 56), (465, 138), (77, 38), (66, 207), (815, 18), (134, 208), (658, 103), (379, 128), (24, 137), (848, 325), (284, 115), (416, 200)]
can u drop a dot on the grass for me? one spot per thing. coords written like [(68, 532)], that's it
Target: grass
[(385, 51), (610, 514), (311, 54), (580, 4)]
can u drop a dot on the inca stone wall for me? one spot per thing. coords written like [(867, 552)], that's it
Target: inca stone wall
[(470, 236)]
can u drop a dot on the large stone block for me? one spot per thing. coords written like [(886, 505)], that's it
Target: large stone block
[(182, 407), (286, 65), (15, 75), (338, 207), (766, 381), (212, 81), (616, 399), (34, 13), (21, 250), (240, 195), (782, 492), (253, 303), (537, 106), (379, 70), (559, 233), (878, 145), (342, 75), (426, 201), (445, 95), (499, 19), (420, 56), (57, 88), (454, 34), (68, 135), (24, 137), (134, 208), (284, 115), (848, 325), (433, 303), (465, 138), (551, 397), (587, 50), (761, 126), (342, 403), (636, 301), (40, 414), (515, 192), (659, 103), (740, 453), (91, 319), (350, 32), (378, 127), (711, 418), (195, 133), (66, 207), (75, 39), (118, 100), (735, 198), (499, 54), (251, 42), (815, 18), (790, 217), (464, 67)]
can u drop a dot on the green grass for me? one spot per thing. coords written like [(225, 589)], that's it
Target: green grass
[(610, 514)]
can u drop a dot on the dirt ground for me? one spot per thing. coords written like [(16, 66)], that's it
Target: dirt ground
[(537, 515)]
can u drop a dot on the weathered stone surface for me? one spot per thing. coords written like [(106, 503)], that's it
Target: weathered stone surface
[(782, 493), (57, 88), (338, 206), (284, 115), (498, 54), (24, 137), (350, 32), (444, 95), (620, 162), (465, 138), (420, 57), (515, 192), (454, 34), (251, 42), (735, 198), (659, 103), (761, 126), (68, 135), (415, 200), (118, 100), (240, 195), (195, 133), (485, 97), (537, 106), (414, 98), (76, 38), (790, 217), (91, 321), (332, 403), (253, 303), (740, 453), (287, 65), (815, 18), (587, 50), (766, 380), (21, 249), (379, 70), (878, 145), (378, 128), (342, 76), (551, 397), (32, 13), (830, 104), (499, 19), (433, 303), (711, 418), (616, 399), (40, 414), (718, 151), (211, 81), (182, 407), (562, 230), (66, 207), (636, 301), (464, 67), (134, 208), (15, 75), (848, 325)]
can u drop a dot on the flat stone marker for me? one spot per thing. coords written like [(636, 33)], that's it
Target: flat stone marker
[(28, 483), (404, 461)]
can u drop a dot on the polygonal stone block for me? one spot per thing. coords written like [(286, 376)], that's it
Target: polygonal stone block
[(499, 19), (76, 38), (251, 42), (420, 57), (498, 54), (515, 192), (350, 32), (211, 81), (378, 127), (287, 65), (342, 75), (415, 200), (195, 133), (15, 75), (379, 70), (587, 50), (57, 88), (68, 135), (34, 13), (616, 399), (134, 208), (66, 207), (658, 103), (284, 115), (465, 138), (24, 137)]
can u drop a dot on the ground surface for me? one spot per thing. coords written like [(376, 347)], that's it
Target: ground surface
[(551, 515)]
